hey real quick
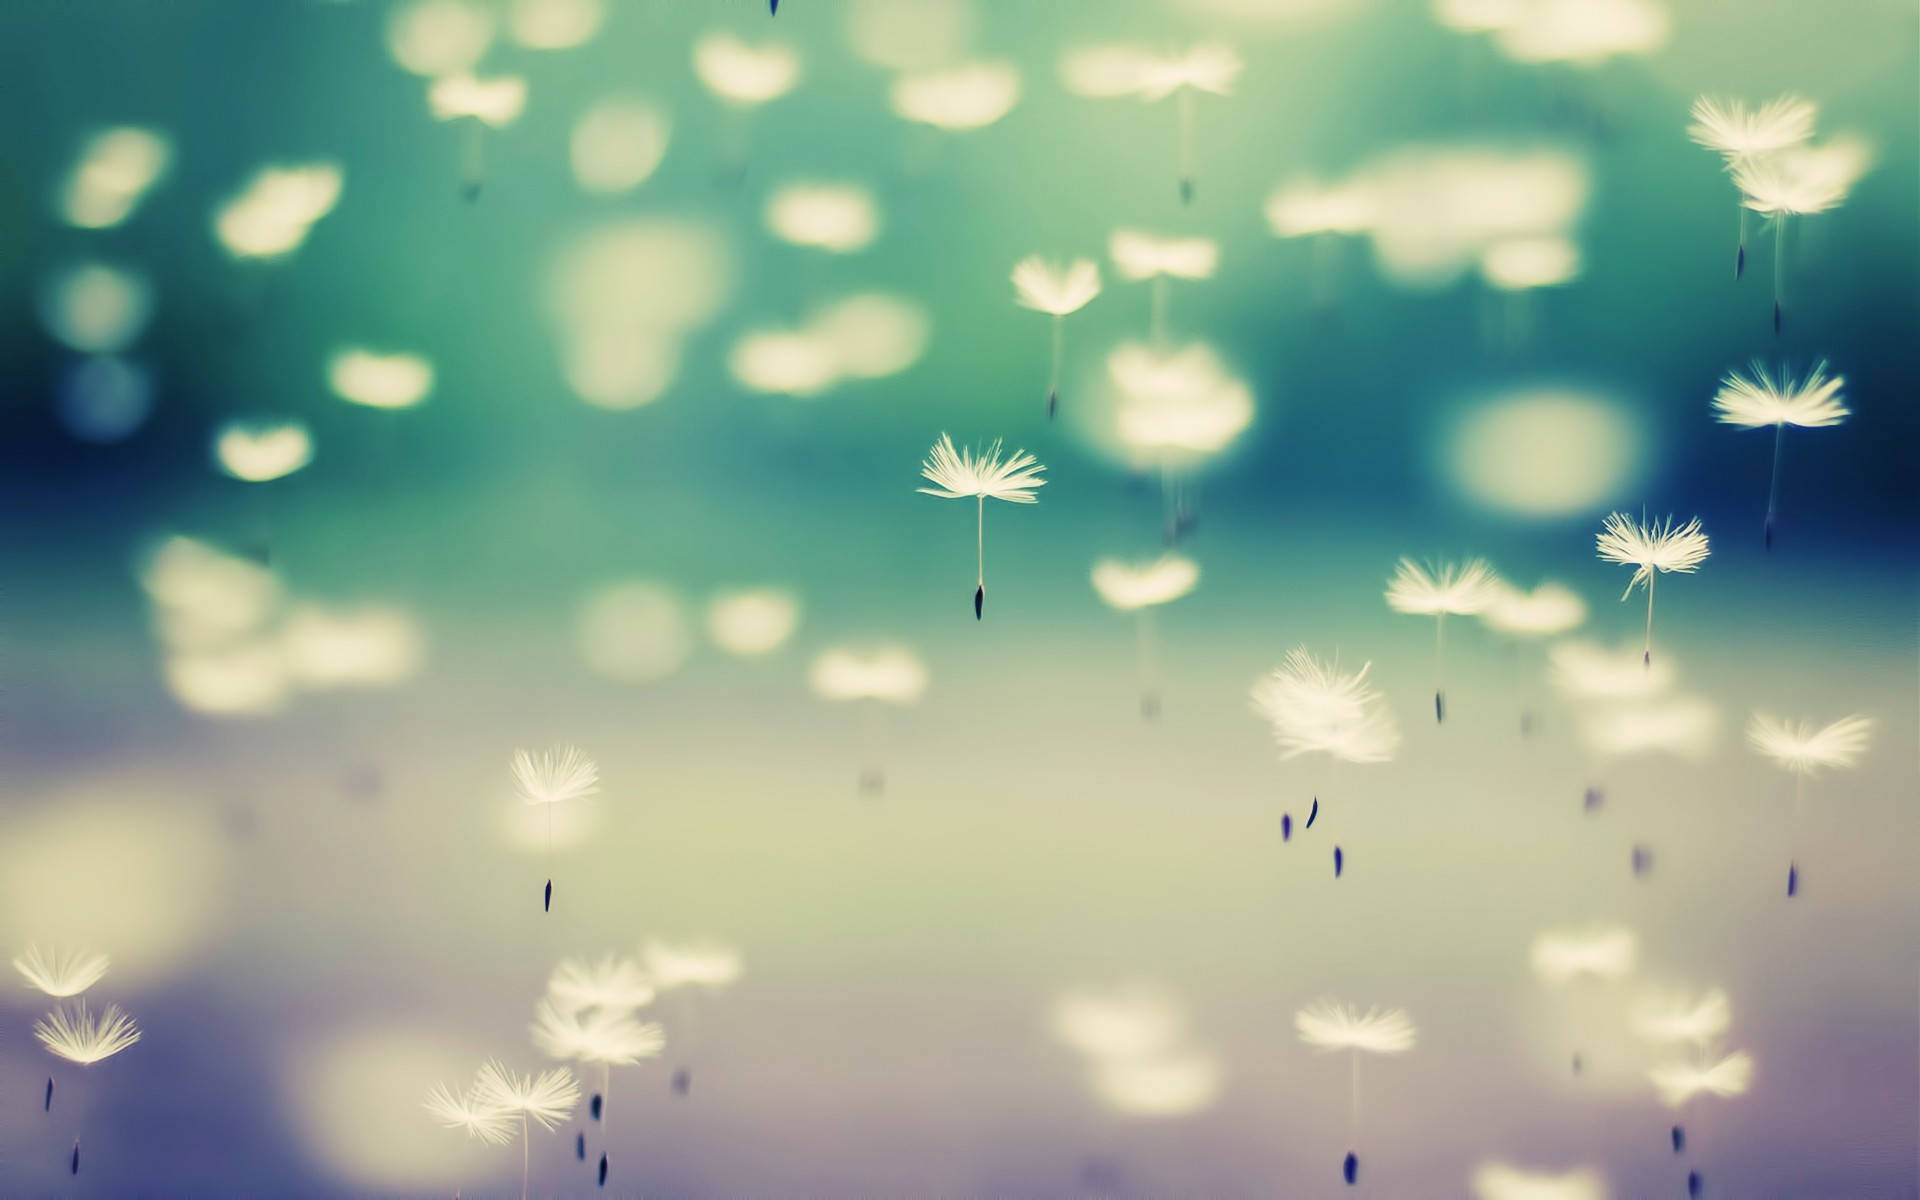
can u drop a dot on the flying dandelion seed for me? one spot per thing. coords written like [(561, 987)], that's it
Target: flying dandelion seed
[(1314, 707), (617, 145), (1499, 1181), (1804, 750), (1679, 1082), (970, 95), (553, 777), (77, 1034), (688, 968), (753, 622), (606, 1036), (1175, 408), (1464, 589), (546, 1099), (470, 1112), (612, 982), (480, 104), (1306, 207), (1674, 1018), (1057, 290), (60, 972), (1737, 134), (1144, 256), (1339, 865), (1329, 1026), (1139, 588), (963, 474), (1109, 71), (95, 308), (1798, 181), (1650, 548), (743, 74), (1601, 955), (1547, 611), (881, 674), (1584, 33), (1762, 400)]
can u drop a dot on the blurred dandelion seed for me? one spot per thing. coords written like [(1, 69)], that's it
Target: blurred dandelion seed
[(1604, 953), (612, 982), (1109, 71), (1139, 588), (546, 1099), (1798, 181), (1762, 399), (1465, 589), (60, 972), (262, 450), (1316, 707), (969, 95), (552, 777), (1669, 1018), (1145, 256), (1499, 1181), (1737, 134), (77, 1034), (468, 1111), (964, 474), (479, 104), (1330, 1026), (1805, 750), (1057, 290), (1679, 1082)]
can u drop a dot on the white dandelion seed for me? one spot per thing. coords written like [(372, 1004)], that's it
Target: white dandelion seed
[(613, 982), (1585, 671), (478, 104), (1314, 707), (1306, 207), (552, 777), (607, 1037), (467, 1111), (1109, 71), (879, 674), (1546, 611), (60, 972), (1650, 548), (1683, 726), (1462, 589), (1805, 749), (1679, 1082), (1139, 588), (546, 1099), (79, 1035), (1604, 953), (1057, 290), (1139, 256), (1738, 133), (963, 474), (1798, 181), (1763, 399), (1330, 1026), (689, 968), (1673, 1018)]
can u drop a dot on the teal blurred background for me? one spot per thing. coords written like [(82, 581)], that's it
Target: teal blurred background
[(314, 911)]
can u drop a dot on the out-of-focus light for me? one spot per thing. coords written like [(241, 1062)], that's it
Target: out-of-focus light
[(1547, 610), (204, 597), (1306, 206), (1519, 264), (272, 215), (497, 101), (704, 964), (1135, 1020), (745, 74), (969, 96), (376, 646), (1585, 32), (1128, 586), (874, 334), (617, 144), (616, 370), (539, 828), (1585, 671), (555, 24), (140, 880), (116, 168), (1499, 1181), (1683, 726), (95, 308), (1543, 453), (104, 399), (893, 674), (665, 276), (837, 217), (1177, 405), (241, 680), (356, 1096), (361, 376), (633, 632), (1173, 1086), (911, 37), (1436, 208), (1139, 255), (791, 362), (257, 450), (438, 37), (753, 621)]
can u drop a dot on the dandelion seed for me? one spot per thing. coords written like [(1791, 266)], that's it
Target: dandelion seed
[(1339, 861), (882, 674), (1144, 256), (1680, 1082), (1132, 1021), (1286, 827), (75, 1033), (962, 474), (1669, 1018), (1683, 726), (1314, 813), (1584, 32), (554, 777), (1737, 133), (1602, 953), (609, 1037), (1139, 588), (1306, 207), (1586, 671), (1108, 71), (1171, 1085), (556, 24), (1798, 181), (1546, 611), (708, 965), (1757, 402), (1330, 1026), (1650, 548), (466, 1110), (613, 982), (1057, 290), (617, 145), (1316, 707), (1464, 589), (546, 1099), (61, 972), (1804, 750)]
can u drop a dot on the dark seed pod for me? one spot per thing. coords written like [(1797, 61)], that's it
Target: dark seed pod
[(1314, 813), (546, 904), (1350, 1169), (580, 1146), (593, 1106), (1693, 1185), (1286, 833), (1679, 1140), (603, 1170), (1339, 862)]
